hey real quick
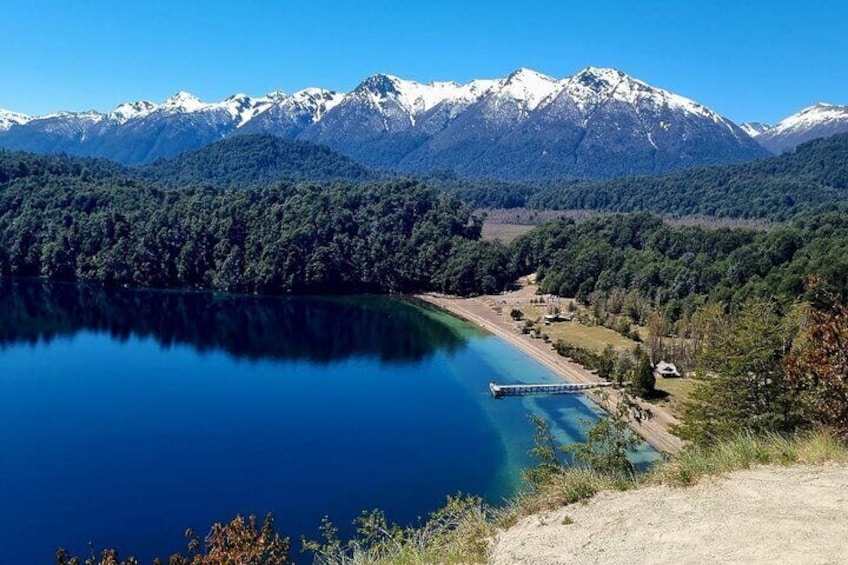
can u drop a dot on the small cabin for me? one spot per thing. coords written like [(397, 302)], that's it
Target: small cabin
[(666, 370)]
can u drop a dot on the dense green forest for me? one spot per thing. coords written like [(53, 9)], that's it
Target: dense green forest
[(778, 188), (815, 174), (256, 161), (483, 193), (73, 219), (253, 161), (83, 219), (638, 259)]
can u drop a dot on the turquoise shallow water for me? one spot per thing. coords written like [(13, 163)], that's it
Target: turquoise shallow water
[(126, 417)]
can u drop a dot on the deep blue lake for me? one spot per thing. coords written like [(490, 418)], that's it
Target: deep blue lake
[(128, 416)]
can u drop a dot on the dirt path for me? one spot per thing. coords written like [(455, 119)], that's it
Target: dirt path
[(766, 515), (475, 310)]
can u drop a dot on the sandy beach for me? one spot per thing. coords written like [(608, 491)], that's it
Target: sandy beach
[(475, 310)]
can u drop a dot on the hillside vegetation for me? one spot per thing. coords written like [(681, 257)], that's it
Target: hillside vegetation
[(631, 263), (74, 219), (252, 161), (815, 174)]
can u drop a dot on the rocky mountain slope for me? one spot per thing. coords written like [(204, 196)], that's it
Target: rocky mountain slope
[(820, 120), (599, 123), (754, 128)]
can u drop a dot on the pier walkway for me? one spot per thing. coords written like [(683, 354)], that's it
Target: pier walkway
[(499, 391)]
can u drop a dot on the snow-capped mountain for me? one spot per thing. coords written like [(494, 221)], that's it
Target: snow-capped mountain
[(754, 128), (287, 116), (820, 120), (9, 119), (595, 124)]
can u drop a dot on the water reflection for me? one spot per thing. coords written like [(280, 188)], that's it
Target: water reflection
[(315, 329)]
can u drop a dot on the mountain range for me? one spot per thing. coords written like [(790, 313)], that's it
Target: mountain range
[(817, 121), (599, 123)]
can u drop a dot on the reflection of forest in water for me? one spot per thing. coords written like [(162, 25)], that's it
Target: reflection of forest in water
[(316, 329)]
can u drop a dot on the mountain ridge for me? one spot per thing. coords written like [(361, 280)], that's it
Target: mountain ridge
[(813, 122), (598, 123)]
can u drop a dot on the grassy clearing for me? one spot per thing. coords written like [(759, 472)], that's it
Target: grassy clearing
[(590, 337), (505, 233), (595, 338), (463, 534), (677, 392)]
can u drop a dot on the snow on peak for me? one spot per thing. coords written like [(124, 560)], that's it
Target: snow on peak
[(600, 77), (9, 119), (92, 116), (415, 97), (754, 128), (316, 94), (379, 85), (132, 110), (812, 116), (524, 88), (276, 95), (183, 101), (594, 85), (528, 86)]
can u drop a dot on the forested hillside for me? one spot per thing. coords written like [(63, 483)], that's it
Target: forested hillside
[(75, 219), (82, 219), (815, 173), (635, 262), (255, 161), (17, 166)]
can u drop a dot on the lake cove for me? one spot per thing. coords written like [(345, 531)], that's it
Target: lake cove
[(128, 416)]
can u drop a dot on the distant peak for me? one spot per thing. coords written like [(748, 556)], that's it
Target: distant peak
[(9, 119), (599, 77), (183, 100), (314, 92), (822, 107), (140, 105), (754, 128), (819, 110), (182, 96), (602, 71), (11, 113), (130, 110), (276, 95), (523, 74), (238, 96), (379, 84)]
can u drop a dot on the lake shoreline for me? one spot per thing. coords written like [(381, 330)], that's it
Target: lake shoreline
[(655, 431)]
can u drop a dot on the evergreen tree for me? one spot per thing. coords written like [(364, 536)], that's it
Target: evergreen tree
[(741, 382)]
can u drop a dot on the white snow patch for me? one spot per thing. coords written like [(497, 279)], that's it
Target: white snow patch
[(754, 128), (817, 115), (9, 119)]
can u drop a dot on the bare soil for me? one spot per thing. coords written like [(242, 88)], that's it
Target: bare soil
[(768, 515)]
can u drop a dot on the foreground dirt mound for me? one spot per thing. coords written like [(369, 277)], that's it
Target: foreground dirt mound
[(767, 515)]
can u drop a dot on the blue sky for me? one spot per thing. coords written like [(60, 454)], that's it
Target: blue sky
[(749, 60)]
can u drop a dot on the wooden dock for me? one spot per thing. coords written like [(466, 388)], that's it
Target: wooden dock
[(499, 391)]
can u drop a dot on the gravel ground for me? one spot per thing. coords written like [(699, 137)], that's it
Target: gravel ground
[(766, 515)]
